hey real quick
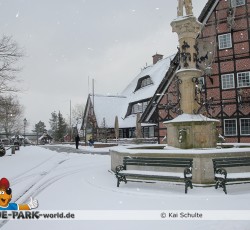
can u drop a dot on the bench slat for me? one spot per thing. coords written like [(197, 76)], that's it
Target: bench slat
[(235, 164), (232, 159), (152, 173), (160, 164)]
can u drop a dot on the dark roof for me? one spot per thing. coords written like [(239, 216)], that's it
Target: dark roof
[(206, 10), (161, 88)]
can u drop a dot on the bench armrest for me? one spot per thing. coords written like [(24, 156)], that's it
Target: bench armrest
[(119, 168), (220, 171), (187, 172)]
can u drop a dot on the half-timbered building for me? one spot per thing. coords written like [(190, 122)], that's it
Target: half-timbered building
[(223, 90)]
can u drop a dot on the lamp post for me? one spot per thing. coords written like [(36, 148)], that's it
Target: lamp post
[(24, 126)]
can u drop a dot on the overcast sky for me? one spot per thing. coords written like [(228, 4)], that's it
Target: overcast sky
[(68, 41)]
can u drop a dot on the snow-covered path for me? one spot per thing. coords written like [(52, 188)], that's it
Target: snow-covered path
[(76, 181)]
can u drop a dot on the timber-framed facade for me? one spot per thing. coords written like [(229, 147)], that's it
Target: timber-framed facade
[(223, 91)]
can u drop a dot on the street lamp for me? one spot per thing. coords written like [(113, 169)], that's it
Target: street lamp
[(24, 126)]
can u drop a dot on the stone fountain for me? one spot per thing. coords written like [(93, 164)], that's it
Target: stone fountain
[(190, 135), (187, 130)]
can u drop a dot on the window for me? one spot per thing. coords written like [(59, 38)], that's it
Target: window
[(230, 128), (245, 126), (120, 133), (146, 132), (227, 81), (144, 81), (136, 108), (139, 107), (243, 79), (151, 131), (225, 41), (235, 3)]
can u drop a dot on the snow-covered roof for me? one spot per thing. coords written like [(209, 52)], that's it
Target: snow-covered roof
[(110, 106), (17, 136), (190, 118), (107, 107), (45, 135), (156, 73)]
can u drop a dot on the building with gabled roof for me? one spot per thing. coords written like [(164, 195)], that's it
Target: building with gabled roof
[(101, 110), (223, 90)]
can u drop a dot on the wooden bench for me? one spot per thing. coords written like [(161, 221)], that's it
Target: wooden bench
[(222, 177), (3, 150), (124, 174)]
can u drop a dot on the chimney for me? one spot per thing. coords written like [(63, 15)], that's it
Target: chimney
[(156, 58)]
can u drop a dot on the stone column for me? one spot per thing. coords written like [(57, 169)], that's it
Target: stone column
[(189, 130), (187, 28)]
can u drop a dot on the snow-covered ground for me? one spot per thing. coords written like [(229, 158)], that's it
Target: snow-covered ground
[(80, 181)]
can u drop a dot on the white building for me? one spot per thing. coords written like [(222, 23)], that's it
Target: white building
[(101, 110)]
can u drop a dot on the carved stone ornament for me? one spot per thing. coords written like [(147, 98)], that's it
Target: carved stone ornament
[(188, 7)]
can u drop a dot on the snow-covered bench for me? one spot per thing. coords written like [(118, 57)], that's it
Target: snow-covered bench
[(3, 149), (222, 177), (148, 169)]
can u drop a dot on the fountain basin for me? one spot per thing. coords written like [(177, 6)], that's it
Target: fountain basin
[(203, 172), (188, 131)]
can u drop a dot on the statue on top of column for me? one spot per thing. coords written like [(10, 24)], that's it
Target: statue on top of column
[(188, 7)]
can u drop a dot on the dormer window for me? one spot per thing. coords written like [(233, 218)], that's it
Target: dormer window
[(139, 107), (144, 81)]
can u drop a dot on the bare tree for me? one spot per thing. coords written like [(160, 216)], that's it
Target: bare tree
[(10, 53), (76, 120), (78, 112), (11, 114)]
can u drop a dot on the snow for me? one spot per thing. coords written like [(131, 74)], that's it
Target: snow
[(234, 175), (77, 181), (169, 149), (188, 70), (152, 173), (191, 118), (109, 106)]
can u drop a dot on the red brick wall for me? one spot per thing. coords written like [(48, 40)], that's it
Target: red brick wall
[(231, 60), (240, 36), (229, 109), (215, 93), (223, 4), (243, 64), (222, 28), (241, 48), (227, 67)]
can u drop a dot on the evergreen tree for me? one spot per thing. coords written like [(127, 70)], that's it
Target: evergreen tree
[(40, 128), (58, 126), (53, 125), (61, 127)]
